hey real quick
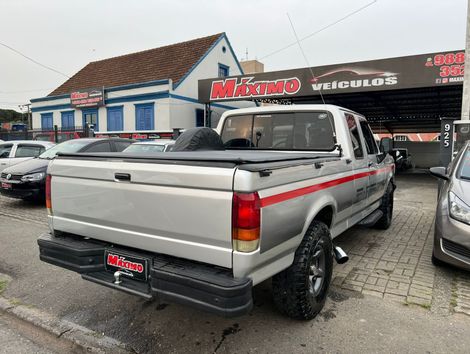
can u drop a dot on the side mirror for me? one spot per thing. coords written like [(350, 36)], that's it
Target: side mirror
[(439, 172), (386, 145)]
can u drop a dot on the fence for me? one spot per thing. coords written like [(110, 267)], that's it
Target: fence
[(55, 134)]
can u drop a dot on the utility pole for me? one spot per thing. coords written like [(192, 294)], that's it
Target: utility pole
[(29, 121), (466, 77)]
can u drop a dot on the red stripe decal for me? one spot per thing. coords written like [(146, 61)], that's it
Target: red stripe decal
[(278, 198)]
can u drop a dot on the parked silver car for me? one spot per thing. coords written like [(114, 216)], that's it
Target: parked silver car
[(452, 224)]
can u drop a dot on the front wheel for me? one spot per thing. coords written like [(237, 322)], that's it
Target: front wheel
[(386, 207), (300, 291)]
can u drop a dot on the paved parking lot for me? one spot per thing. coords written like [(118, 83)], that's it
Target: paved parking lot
[(393, 264), (389, 276)]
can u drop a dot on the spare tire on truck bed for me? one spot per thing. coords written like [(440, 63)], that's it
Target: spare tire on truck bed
[(198, 139)]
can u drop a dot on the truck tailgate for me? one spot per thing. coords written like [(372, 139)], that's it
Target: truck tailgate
[(165, 208)]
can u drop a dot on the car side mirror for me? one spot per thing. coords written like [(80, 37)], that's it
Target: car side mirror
[(439, 172), (386, 145)]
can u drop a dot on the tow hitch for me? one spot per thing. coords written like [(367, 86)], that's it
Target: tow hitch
[(340, 256)]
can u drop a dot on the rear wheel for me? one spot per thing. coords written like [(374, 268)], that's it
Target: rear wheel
[(386, 207), (300, 291)]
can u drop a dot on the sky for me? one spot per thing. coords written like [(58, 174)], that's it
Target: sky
[(66, 35)]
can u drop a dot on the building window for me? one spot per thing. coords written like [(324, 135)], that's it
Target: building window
[(224, 70), (144, 116), (199, 117), (90, 116), (115, 118), (401, 138), (67, 119), (46, 121)]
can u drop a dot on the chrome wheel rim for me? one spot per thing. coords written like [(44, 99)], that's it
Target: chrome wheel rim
[(316, 271)]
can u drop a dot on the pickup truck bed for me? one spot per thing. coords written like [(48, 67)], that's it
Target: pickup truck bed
[(225, 159), (202, 227)]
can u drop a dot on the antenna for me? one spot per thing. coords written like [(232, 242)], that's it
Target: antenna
[(303, 54), (246, 54)]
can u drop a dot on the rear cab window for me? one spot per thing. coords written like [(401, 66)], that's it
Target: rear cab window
[(280, 131), (121, 145), (99, 147)]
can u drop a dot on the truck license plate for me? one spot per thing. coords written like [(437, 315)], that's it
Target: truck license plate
[(129, 266), (6, 185)]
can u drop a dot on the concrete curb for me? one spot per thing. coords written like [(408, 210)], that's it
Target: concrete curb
[(83, 337)]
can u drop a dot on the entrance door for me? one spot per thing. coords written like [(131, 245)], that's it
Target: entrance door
[(90, 117), (199, 117)]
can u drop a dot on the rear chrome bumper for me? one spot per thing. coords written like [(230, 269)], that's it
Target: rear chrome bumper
[(195, 284)]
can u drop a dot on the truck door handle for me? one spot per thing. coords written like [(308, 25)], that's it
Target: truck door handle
[(370, 164), (121, 177)]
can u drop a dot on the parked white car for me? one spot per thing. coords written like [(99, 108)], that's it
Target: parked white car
[(143, 147), (16, 151)]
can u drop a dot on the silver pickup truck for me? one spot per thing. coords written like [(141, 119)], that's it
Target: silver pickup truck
[(203, 227)]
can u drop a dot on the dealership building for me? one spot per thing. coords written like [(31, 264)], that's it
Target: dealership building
[(416, 94), (154, 90)]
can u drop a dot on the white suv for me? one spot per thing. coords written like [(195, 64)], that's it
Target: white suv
[(16, 151)]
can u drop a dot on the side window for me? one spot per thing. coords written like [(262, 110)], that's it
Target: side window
[(100, 147), (371, 145), (354, 134), (224, 70), (121, 145), (5, 150), (29, 150)]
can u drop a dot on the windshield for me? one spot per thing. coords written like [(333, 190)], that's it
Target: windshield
[(67, 146), (280, 131), (464, 168), (145, 148)]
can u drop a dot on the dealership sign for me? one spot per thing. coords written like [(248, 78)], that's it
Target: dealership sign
[(427, 70), (87, 98)]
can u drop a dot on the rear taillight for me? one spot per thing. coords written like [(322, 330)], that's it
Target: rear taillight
[(246, 220), (48, 194)]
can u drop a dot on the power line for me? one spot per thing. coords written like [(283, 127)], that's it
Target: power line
[(25, 91), (303, 53), (321, 29), (32, 60)]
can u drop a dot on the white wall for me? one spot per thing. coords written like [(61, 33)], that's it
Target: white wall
[(161, 110), (424, 154), (183, 113)]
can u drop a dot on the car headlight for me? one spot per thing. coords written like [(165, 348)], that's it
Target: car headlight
[(458, 209), (34, 177)]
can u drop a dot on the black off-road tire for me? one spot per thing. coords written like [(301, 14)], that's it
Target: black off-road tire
[(386, 206), (293, 290)]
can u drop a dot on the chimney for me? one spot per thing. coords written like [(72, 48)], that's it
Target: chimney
[(252, 66)]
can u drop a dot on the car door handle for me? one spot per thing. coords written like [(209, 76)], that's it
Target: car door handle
[(370, 164), (122, 177)]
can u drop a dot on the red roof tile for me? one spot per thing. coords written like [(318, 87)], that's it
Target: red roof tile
[(168, 62)]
